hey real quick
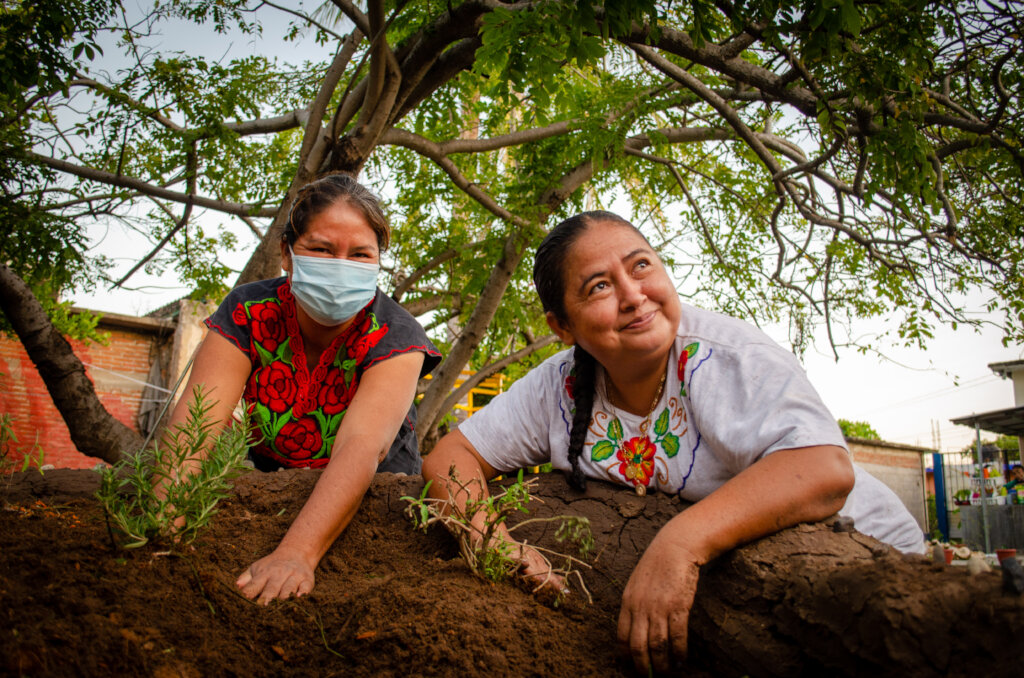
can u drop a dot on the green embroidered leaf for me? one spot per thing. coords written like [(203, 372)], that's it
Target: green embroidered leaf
[(265, 420), (691, 350), (321, 419), (602, 450), (333, 423), (661, 426), (671, 445), (348, 365), (263, 414), (615, 430), (285, 351), (266, 357), (279, 420)]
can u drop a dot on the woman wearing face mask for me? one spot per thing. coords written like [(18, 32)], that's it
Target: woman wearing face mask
[(327, 366), (656, 395)]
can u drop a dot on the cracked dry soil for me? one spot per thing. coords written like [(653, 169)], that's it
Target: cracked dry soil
[(391, 601)]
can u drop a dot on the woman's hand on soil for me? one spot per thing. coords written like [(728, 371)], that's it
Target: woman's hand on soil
[(276, 576), (656, 604), (536, 570)]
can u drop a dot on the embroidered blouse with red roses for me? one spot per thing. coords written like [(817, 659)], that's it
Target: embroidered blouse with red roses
[(298, 413)]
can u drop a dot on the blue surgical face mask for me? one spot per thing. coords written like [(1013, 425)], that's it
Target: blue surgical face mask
[(332, 290)]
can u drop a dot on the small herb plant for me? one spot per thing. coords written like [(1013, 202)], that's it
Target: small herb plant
[(488, 555), (165, 501), (34, 457)]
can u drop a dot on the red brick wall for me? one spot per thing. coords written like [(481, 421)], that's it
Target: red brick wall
[(24, 397)]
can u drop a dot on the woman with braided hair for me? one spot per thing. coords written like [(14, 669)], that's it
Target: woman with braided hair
[(659, 395), (326, 365)]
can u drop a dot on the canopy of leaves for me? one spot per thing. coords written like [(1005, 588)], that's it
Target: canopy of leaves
[(41, 46), (813, 163)]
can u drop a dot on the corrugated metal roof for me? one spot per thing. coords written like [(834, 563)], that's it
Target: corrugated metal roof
[(1008, 422), (1006, 369)]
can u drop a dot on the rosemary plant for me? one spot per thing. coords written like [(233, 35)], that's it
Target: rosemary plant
[(169, 492)]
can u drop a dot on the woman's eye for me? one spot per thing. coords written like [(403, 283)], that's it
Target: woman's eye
[(598, 287)]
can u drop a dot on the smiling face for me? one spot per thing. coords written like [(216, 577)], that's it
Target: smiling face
[(339, 231), (620, 304)]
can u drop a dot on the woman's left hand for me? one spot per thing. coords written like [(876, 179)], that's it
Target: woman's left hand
[(279, 575), (656, 605)]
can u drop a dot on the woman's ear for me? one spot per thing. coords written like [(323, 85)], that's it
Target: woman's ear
[(563, 332), (286, 257)]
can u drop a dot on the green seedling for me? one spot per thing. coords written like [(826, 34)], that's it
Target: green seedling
[(486, 553), (34, 457), (168, 493)]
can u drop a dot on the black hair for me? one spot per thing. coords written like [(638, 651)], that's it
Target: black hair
[(316, 196), (549, 279)]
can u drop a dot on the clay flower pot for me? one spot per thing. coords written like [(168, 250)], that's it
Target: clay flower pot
[(1003, 554)]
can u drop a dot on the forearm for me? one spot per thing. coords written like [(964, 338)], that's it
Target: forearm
[(219, 372), (331, 505), (781, 490), (469, 483)]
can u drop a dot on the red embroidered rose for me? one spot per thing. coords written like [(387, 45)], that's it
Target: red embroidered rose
[(365, 342), (249, 394), (276, 387), (300, 439), (636, 457), (238, 316), (335, 396), (570, 386), (681, 371), (267, 324)]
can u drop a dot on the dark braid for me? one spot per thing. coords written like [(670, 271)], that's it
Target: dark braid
[(549, 278), (317, 196), (583, 392)]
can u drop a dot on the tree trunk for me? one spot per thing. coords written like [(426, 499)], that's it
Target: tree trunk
[(807, 601), (429, 410), (93, 430)]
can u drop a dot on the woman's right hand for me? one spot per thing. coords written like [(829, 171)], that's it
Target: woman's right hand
[(535, 569), (279, 575), (656, 603)]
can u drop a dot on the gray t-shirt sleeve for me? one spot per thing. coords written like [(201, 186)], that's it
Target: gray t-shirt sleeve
[(755, 399), (512, 431)]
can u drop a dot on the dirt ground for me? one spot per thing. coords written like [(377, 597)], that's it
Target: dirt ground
[(389, 601)]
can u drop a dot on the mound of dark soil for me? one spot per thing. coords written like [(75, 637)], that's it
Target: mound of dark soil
[(391, 601)]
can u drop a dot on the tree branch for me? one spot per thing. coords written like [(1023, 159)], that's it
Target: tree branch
[(432, 150), (148, 189)]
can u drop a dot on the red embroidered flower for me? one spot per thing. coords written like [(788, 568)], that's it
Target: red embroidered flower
[(300, 439), (267, 324), (238, 316), (681, 369), (365, 342), (335, 396), (570, 386), (276, 387), (636, 457)]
